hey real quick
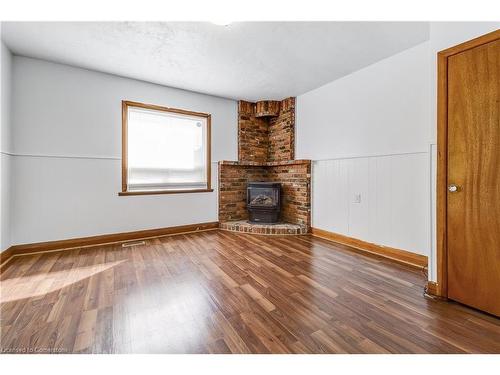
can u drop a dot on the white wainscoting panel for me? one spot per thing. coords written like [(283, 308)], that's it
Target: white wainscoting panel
[(379, 199)]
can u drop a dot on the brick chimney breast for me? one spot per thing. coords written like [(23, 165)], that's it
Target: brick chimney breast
[(266, 152)]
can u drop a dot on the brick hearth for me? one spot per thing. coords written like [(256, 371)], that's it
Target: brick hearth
[(269, 229), (266, 139), (294, 175)]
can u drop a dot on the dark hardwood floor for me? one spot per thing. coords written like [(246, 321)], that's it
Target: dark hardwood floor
[(220, 292)]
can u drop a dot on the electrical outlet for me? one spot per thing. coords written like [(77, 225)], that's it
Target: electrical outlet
[(357, 198)]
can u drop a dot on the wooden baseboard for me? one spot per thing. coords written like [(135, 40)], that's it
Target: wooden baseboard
[(6, 255), (25, 249), (397, 255), (431, 288)]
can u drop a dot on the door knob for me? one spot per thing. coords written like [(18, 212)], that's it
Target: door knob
[(452, 188)]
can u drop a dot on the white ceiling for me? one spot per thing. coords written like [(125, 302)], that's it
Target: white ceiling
[(248, 60)]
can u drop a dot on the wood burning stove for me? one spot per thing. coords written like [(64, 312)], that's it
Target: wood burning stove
[(264, 202)]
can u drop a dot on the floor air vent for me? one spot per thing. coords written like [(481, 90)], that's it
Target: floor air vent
[(138, 243)]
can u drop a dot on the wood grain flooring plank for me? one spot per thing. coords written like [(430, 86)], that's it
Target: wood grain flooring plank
[(221, 292)]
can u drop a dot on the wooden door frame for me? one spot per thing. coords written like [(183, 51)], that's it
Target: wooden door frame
[(441, 288)]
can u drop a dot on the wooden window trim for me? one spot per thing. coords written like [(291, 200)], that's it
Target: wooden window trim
[(125, 105), (441, 289)]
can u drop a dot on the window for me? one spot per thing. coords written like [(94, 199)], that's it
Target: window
[(165, 150)]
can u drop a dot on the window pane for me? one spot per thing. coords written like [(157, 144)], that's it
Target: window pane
[(166, 150)]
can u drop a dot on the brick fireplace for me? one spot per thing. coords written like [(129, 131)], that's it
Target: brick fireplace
[(266, 151)]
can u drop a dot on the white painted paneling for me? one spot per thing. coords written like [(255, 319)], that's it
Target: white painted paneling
[(386, 108), (393, 210), (409, 204), (5, 197), (74, 116), (330, 187), (369, 134), (382, 229), (358, 185), (339, 195)]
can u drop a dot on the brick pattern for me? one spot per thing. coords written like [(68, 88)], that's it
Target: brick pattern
[(295, 178), (253, 134), (282, 132), (233, 181), (266, 229), (270, 138), (267, 164), (266, 148), (295, 191), (266, 108)]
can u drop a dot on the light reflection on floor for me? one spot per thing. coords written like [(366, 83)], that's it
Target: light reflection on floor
[(171, 321), (44, 283)]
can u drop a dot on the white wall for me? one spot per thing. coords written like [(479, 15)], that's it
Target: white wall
[(5, 147), (67, 145), (393, 210), (368, 135), (374, 133), (444, 35)]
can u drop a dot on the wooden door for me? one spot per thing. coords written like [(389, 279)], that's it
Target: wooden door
[(473, 208)]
